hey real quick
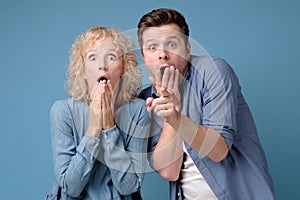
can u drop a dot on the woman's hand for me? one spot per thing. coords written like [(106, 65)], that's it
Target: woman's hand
[(107, 106), (101, 109)]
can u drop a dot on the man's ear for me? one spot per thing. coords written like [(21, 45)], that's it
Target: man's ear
[(188, 49), (142, 53)]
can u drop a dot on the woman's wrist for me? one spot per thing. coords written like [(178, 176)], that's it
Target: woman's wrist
[(94, 131), (108, 125)]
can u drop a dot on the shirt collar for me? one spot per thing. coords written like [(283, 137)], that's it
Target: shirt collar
[(153, 92)]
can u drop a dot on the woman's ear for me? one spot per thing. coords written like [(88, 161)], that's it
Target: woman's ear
[(123, 68), (84, 75), (122, 73)]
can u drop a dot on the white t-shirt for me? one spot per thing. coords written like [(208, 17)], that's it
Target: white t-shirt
[(193, 184)]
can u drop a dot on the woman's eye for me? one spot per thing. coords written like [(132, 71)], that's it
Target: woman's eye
[(111, 58), (92, 58)]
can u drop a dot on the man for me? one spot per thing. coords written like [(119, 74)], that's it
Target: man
[(204, 140)]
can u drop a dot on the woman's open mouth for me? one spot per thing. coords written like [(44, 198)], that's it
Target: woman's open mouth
[(102, 78)]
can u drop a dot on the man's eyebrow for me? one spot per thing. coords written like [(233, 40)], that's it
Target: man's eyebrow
[(175, 36), (150, 40), (169, 37)]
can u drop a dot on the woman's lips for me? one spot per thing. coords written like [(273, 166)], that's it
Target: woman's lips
[(102, 78)]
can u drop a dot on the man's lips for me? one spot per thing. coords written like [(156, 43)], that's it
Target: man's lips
[(162, 69)]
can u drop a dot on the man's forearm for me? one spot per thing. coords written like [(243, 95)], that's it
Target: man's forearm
[(168, 154), (206, 141)]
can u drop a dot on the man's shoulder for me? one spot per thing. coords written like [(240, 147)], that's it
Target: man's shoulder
[(204, 59), (145, 91), (210, 63)]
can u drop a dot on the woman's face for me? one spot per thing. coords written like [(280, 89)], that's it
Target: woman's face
[(102, 61)]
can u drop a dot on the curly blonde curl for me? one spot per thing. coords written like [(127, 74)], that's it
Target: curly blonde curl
[(130, 81)]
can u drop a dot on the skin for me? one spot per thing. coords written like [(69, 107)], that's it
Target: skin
[(102, 60), (164, 46)]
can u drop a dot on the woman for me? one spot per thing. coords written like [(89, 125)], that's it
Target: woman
[(99, 134)]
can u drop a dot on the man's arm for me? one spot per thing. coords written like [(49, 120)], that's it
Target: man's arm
[(177, 127), (206, 141), (168, 154)]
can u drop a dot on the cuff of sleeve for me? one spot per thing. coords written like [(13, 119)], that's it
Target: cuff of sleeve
[(111, 135), (89, 144)]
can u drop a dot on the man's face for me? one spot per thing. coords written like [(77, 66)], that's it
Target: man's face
[(164, 46)]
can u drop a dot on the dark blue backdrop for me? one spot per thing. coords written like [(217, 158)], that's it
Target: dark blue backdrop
[(260, 39)]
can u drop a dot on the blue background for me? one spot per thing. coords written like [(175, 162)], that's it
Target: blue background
[(260, 39)]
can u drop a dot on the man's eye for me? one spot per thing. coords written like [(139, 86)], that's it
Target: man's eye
[(152, 47), (172, 45)]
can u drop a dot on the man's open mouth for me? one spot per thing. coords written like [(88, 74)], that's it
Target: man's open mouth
[(162, 70)]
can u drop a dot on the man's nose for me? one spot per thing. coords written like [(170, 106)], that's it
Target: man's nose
[(163, 54)]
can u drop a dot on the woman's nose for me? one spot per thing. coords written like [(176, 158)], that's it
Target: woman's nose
[(102, 66)]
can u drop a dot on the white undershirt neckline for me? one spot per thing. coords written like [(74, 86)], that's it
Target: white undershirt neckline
[(192, 177)]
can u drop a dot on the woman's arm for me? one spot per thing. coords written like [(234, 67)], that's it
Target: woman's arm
[(72, 164), (124, 149)]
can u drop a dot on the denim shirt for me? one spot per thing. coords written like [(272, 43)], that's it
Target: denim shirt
[(211, 96), (109, 167)]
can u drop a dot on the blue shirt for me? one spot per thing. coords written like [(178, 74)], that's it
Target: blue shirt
[(109, 167), (211, 96)]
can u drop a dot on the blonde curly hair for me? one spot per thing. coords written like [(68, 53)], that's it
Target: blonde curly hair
[(130, 81)]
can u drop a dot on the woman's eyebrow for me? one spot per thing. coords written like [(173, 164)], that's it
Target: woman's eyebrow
[(90, 51)]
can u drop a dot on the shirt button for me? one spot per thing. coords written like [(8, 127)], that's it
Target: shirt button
[(178, 194)]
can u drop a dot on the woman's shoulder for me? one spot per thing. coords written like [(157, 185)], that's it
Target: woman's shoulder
[(68, 102), (59, 104), (60, 111), (137, 108), (137, 104), (64, 106)]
